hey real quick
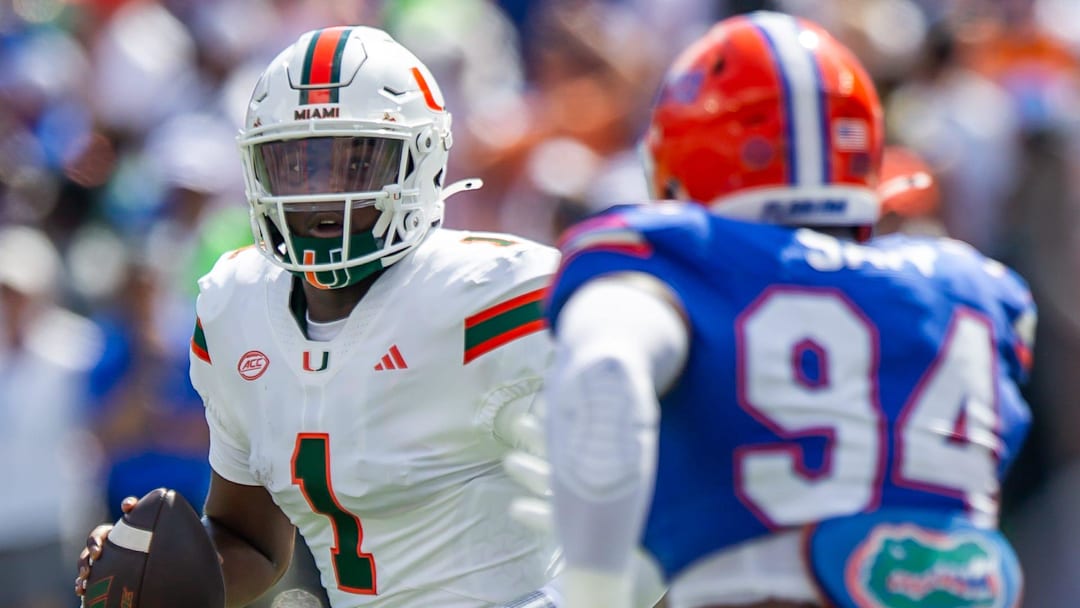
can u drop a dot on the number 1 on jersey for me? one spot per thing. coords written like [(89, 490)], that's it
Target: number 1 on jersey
[(354, 569)]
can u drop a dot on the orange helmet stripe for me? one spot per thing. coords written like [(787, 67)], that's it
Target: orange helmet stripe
[(322, 65)]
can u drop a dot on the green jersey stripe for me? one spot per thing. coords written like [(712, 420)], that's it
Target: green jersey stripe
[(198, 342)]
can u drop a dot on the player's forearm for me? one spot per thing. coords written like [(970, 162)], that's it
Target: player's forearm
[(616, 345), (248, 572)]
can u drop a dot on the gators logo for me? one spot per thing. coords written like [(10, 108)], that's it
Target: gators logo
[(904, 566)]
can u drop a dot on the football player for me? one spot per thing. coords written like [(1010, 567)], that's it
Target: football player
[(783, 412), (359, 365)]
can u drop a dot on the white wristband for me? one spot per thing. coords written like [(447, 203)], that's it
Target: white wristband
[(594, 589)]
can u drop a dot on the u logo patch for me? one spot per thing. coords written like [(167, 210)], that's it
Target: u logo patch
[(324, 362)]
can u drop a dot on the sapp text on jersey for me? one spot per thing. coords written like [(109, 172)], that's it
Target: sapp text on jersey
[(826, 253)]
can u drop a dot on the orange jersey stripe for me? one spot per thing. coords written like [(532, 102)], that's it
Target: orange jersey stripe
[(484, 315)]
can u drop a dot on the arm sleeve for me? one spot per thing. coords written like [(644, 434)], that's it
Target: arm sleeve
[(514, 365), (227, 457), (617, 347)]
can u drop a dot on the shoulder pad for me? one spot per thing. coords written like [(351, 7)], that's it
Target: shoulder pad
[(233, 269), (635, 230), (489, 265)]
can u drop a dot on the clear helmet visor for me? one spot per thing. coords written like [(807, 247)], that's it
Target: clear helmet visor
[(317, 213), (328, 165)]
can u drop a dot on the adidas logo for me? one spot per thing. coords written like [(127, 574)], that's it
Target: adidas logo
[(391, 360)]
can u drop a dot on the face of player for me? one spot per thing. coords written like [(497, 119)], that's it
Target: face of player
[(319, 166), (326, 224)]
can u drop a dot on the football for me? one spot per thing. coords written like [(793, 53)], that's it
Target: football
[(157, 556)]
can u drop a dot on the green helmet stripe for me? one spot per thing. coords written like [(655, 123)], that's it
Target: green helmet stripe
[(322, 65)]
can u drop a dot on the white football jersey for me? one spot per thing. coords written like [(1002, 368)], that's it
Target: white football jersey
[(380, 444)]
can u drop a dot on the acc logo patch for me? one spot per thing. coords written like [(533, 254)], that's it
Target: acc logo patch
[(905, 566), (252, 365)]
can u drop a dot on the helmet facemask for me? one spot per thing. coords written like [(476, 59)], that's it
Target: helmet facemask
[(327, 178)]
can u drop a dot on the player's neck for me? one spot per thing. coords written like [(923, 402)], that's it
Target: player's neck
[(325, 305)]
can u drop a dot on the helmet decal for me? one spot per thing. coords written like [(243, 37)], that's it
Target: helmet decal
[(322, 66), (429, 98), (685, 88)]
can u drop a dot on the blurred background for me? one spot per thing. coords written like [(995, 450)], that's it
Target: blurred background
[(120, 184)]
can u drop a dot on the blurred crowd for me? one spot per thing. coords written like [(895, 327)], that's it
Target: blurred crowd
[(120, 184)]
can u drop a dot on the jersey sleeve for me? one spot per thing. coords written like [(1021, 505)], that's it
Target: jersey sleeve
[(1022, 316), (1016, 345), (505, 343), (623, 239), (229, 448), (1004, 297)]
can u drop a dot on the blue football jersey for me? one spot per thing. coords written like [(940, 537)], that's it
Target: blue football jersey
[(825, 377)]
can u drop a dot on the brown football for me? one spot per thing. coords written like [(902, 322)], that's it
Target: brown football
[(157, 556)]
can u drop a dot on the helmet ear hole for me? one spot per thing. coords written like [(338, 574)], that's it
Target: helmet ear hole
[(425, 141)]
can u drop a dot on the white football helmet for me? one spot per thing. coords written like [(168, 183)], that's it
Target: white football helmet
[(345, 118)]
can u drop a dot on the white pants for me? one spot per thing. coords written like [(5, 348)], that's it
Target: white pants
[(772, 567)]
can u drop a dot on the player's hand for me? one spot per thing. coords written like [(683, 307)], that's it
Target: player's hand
[(95, 543)]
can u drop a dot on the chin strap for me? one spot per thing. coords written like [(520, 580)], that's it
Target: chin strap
[(472, 183)]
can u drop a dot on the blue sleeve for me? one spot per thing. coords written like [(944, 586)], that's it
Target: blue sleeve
[(997, 291), (1022, 316), (1005, 296), (624, 239), (1017, 347)]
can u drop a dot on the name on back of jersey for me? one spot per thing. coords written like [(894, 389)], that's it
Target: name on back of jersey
[(826, 253)]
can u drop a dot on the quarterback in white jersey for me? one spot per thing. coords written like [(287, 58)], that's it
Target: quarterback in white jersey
[(362, 366), (382, 444)]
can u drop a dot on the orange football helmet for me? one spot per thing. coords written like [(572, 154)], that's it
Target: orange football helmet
[(769, 118), (908, 187)]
